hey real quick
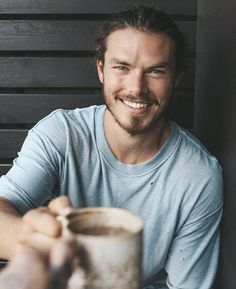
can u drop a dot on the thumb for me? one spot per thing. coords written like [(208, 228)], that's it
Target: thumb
[(59, 205)]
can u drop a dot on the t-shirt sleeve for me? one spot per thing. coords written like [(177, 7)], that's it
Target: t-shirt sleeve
[(33, 176), (193, 256)]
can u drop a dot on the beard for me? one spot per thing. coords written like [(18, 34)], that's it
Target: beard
[(136, 124)]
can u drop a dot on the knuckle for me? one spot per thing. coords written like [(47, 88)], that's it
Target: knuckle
[(23, 235), (58, 204)]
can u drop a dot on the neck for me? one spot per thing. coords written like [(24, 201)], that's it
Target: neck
[(133, 149)]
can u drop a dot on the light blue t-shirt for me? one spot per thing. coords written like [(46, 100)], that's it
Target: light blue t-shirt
[(178, 192)]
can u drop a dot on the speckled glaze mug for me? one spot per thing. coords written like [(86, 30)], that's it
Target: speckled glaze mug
[(109, 254)]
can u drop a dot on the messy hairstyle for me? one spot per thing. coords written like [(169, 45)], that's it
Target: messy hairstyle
[(144, 19)]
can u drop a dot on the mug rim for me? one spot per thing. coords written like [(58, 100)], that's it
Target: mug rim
[(78, 213)]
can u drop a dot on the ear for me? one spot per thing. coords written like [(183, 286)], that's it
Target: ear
[(100, 66), (179, 78)]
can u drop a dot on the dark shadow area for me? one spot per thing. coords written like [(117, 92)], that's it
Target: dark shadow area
[(215, 114)]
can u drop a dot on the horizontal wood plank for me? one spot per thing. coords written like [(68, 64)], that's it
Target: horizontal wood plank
[(17, 35), (4, 168), (29, 108), (181, 111), (48, 72), (61, 72), (184, 7), (11, 142), (55, 35)]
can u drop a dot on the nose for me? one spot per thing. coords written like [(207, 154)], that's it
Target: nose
[(137, 83)]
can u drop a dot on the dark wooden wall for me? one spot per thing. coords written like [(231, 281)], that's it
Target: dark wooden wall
[(46, 61), (215, 114)]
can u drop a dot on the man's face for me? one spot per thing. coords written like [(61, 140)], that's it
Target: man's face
[(138, 77)]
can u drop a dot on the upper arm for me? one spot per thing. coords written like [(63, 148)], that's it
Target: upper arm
[(8, 207), (33, 176), (193, 256)]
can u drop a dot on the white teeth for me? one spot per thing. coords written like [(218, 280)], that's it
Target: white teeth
[(135, 104)]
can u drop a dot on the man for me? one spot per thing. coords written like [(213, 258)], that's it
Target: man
[(125, 154)]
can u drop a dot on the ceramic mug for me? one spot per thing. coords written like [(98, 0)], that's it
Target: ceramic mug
[(109, 252)]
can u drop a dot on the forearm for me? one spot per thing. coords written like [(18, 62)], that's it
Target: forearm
[(10, 226)]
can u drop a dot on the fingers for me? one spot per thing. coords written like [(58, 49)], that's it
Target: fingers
[(43, 221), (28, 267), (61, 259), (60, 205), (32, 269), (40, 228), (25, 258), (63, 251), (36, 240)]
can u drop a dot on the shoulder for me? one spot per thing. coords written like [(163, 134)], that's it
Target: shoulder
[(195, 154), (63, 117), (195, 166), (62, 127), (197, 180), (200, 171), (63, 121)]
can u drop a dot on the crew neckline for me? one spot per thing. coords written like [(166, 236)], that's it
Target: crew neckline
[(133, 169)]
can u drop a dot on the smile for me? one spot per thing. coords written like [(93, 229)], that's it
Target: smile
[(136, 105)]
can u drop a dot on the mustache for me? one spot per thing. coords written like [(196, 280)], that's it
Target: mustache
[(142, 98)]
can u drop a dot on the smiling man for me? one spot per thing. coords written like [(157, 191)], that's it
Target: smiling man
[(138, 76), (127, 154)]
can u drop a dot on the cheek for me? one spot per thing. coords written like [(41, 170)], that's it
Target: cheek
[(168, 88), (160, 85), (112, 83), (162, 90)]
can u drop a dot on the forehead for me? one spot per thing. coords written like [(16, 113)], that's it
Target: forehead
[(132, 43)]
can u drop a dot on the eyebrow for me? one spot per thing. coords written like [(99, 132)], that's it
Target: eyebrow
[(165, 64), (160, 65), (119, 61)]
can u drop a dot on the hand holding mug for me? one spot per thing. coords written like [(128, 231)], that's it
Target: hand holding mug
[(40, 227)]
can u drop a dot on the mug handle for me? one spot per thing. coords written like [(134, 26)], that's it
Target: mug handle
[(78, 277)]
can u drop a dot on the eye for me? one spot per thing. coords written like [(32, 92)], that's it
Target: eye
[(156, 71), (121, 68)]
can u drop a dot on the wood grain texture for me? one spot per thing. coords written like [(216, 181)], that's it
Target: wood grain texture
[(48, 72), (12, 139), (11, 142), (30, 108), (4, 168), (61, 72), (184, 7), (55, 35)]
